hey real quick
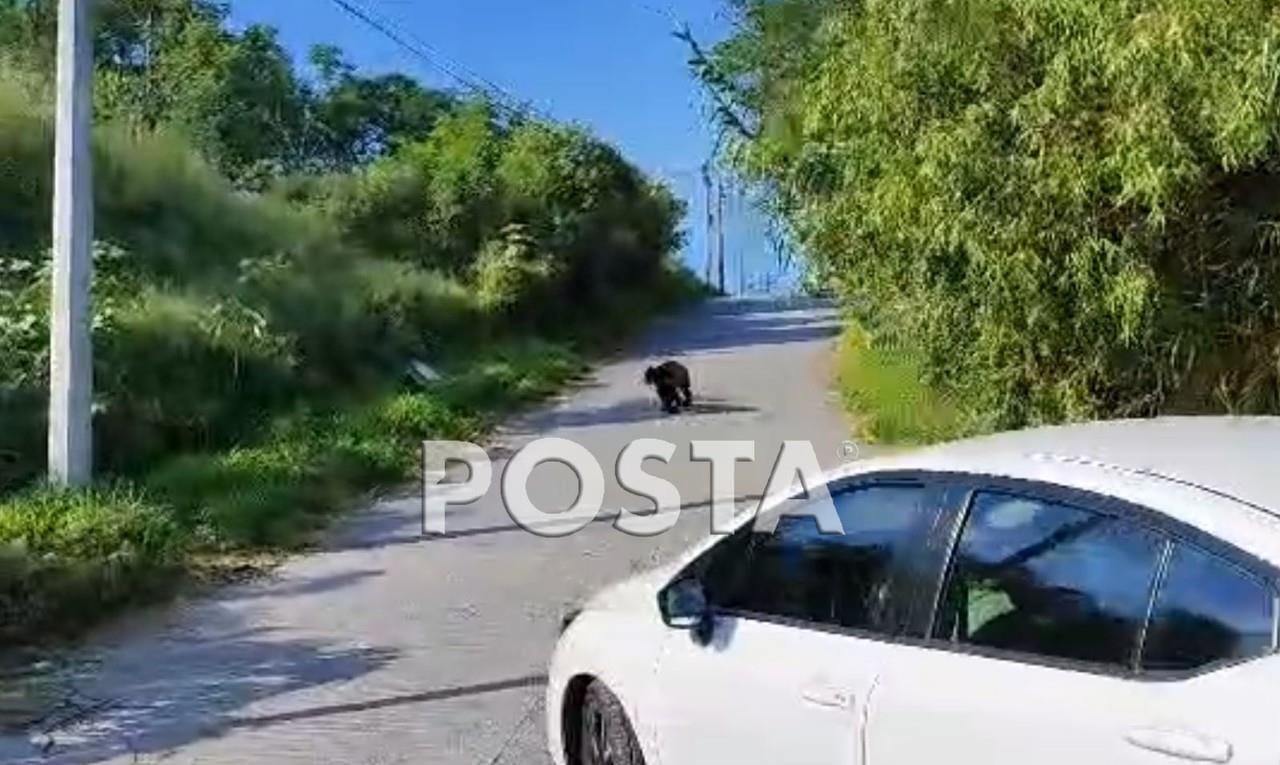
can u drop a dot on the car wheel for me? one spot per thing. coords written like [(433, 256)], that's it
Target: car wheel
[(606, 736)]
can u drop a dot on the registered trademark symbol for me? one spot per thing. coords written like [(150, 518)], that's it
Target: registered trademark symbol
[(849, 450)]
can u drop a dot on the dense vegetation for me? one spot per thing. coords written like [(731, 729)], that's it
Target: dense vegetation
[(1044, 209), (273, 247)]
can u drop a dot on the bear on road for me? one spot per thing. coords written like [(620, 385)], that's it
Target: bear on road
[(671, 380)]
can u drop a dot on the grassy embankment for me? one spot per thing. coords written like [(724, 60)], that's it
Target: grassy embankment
[(886, 396), (250, 348)]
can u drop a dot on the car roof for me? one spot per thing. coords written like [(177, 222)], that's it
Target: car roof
[(1233, 457), (1218, 474)]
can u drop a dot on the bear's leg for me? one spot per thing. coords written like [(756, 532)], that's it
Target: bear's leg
[(688, 396), (670, 398)]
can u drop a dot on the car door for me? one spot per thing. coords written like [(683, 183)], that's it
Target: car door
[(799, 618), (1207, 669), (1048, 613)]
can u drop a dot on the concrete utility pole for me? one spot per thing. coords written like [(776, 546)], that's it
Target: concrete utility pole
[(742, 272), (720, 234), (70, 346), (706, 187), (741, 250)]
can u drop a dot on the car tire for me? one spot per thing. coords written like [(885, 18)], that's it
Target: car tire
[(606, 737)]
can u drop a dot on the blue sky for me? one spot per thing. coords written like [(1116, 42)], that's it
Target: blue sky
[(609, 65)]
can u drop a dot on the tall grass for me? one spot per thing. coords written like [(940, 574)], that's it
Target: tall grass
[(68, 557), (885, 391)]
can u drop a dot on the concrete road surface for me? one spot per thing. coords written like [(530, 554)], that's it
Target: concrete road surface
[(392, 648)]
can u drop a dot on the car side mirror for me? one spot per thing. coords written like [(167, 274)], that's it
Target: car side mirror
[(684, 606)]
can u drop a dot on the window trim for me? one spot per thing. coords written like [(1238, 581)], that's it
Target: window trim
[(1157, 584), (965, 486), (950, 496)]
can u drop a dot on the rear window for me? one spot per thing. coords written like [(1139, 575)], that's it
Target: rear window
[(1207, 611)]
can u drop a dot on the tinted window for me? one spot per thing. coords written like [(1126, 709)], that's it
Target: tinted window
[(1049, 579), (840, 579), (1207, 611)]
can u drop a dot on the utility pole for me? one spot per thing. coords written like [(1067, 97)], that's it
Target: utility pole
[(741, 250), (70, 346), (706, 186), (720, 235)]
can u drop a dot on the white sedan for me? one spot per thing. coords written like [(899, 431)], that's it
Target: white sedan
[(1101, 594)]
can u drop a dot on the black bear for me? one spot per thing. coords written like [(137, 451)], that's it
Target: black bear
[(671, 380)]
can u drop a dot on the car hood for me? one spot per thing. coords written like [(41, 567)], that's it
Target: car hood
[(636, 593), (640, 591)]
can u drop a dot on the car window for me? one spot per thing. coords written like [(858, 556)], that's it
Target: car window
[(1207, 611), (837, 579), (1049, 579)]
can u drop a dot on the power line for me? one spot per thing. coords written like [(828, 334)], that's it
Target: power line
[(414, 46), (471, 73), (434, 59), (664, 12)]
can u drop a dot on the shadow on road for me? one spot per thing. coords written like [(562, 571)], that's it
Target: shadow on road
[(734, 324), (315, 586), (442, 694), (405, 529), (716, 406), (153, 707), (632, 410)]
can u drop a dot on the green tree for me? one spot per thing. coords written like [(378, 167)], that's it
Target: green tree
[(1064, 206), (27, 30), (462, 204), (357, 119), (162, 63)]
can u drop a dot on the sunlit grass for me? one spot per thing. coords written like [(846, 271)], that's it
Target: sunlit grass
[(886, 395)]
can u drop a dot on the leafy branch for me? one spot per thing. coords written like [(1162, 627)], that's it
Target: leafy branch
[(723, 90)]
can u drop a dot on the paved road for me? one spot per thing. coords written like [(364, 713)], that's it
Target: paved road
[(390, 648)]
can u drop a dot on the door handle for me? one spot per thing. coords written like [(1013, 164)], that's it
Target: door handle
[(1184, 745), (827, 695)]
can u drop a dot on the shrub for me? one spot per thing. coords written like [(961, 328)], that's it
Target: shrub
[(418, 310), (154, 196), (182, 372), (272, 494), (178, 218), (310, 464), (66, 558), (414, 417), (25, 176), (513, 281), (1062, 208), (379, 208)]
